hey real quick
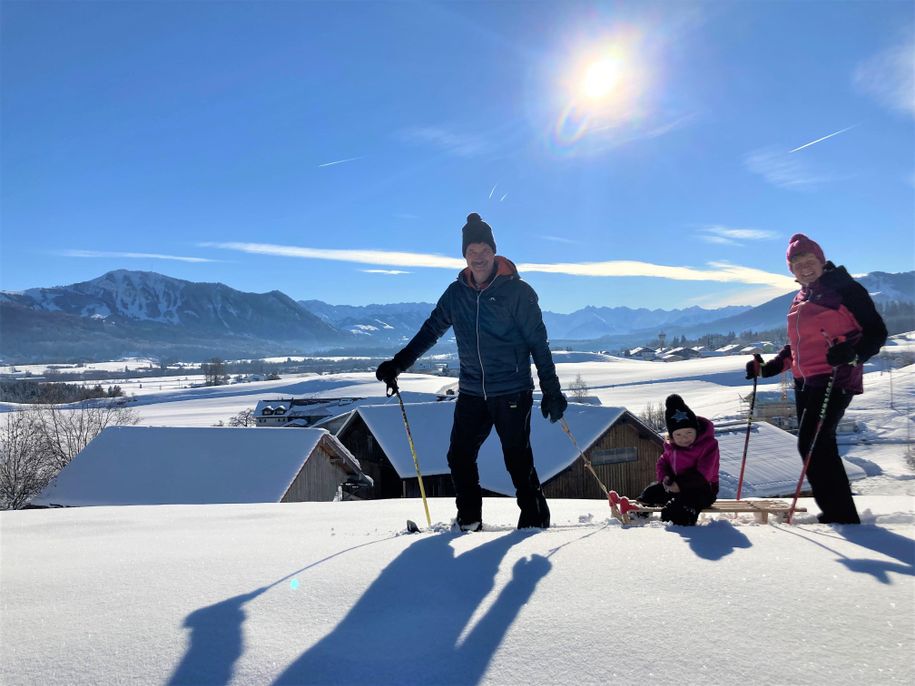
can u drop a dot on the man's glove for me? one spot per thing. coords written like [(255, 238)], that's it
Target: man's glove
[(388, 372), (841, 353), (553, 405)]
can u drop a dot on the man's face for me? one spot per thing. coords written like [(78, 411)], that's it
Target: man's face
[(480, 258), (806, 268)]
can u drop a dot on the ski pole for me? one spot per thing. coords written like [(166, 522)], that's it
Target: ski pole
[(816, 435), (746, 441), (392, 389)]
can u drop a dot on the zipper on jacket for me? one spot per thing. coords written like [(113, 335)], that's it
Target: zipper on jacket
[(479, 353)]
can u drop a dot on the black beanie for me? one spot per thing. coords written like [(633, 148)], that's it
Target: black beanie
[(678, 415), (476, 231)]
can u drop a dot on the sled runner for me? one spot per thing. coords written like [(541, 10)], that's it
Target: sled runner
[(761, 509)]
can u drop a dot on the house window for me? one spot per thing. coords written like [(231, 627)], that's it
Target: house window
[(280, 410), (614, 455), (267, 411)]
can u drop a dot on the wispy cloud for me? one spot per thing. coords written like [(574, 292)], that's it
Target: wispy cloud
[(889, 77), (388, 258), (782, 170), (558, 239), (820, 140), (131, 255), (460, 144), (391, 272), (748, 296), (714, 271), (725, 235), (343, 161)]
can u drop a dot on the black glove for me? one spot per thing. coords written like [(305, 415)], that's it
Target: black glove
[(754, 366), (388, 372), (553, 405), (841, 353)]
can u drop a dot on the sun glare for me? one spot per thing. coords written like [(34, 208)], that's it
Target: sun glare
[(602, 77)]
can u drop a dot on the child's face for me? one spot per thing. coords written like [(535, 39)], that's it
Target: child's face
[(684, 437)]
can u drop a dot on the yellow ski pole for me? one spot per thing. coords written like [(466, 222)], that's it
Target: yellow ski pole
[(393, 389)]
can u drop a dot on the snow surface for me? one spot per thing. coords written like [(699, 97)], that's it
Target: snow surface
[(337, 593)]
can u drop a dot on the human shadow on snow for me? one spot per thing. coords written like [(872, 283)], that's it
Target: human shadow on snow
[(216, 641), (412, 623), (713, 541), (875, 538)]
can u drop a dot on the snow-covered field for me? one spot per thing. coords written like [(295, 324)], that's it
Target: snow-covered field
[(338, 593)]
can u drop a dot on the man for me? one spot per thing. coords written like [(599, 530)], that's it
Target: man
[(498, 327)]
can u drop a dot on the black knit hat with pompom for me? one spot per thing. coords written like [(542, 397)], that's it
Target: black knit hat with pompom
[(678, 415), (476, 231)]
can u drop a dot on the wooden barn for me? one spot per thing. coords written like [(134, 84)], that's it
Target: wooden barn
[(622, 449), (138, 465)]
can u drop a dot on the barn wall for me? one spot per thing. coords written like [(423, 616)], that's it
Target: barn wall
[(627, 478), (318, 479)]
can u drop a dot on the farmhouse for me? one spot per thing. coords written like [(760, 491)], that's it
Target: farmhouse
[(622, 449), (138, 465)]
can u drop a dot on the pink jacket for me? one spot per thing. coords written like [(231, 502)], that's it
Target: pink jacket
[(702, 455)]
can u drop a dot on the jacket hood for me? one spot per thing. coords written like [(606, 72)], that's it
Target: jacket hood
[(504, 267)]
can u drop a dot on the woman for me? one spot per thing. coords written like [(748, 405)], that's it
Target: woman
[(833, 329)]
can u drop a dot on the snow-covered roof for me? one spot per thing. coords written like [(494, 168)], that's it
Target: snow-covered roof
[(138, 465), (773, 463), (430, 425)]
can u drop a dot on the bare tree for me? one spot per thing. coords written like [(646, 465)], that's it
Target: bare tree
[(243, 418), (578, 389), (25, 469), (64, 431), (653, 416)]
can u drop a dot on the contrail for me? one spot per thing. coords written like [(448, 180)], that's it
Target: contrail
[(492, 191), (818, 140), (348, 159), (503, 197)]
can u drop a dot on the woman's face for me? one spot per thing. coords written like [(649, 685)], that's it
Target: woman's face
[(684, 437), (806, 268)]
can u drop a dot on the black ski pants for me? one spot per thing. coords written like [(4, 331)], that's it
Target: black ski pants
[(826, 473), (680, 508), (474, 418)]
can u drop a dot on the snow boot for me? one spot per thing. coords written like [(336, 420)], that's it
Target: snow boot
[(535, 513)]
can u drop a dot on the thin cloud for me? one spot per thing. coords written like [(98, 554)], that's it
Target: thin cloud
[(783, 171), (343, 161), (820, 140), (751, 296), (724, 235), (462, 145), (559, 239), (889, 77), (715, 271), (391, 272), (132, 255)]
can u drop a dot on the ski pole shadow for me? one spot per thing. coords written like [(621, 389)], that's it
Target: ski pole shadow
[(216, 640), (875, 538), (412, 624), (713, 541)]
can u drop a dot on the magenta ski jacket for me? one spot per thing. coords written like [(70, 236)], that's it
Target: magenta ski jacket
[(834, 308), (701, 456)]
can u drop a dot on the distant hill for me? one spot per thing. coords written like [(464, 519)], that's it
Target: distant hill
[(125, 313)]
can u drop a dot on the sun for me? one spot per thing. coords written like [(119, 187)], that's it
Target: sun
[(602, 77)]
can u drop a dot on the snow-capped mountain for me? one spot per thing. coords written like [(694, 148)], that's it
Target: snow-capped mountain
[(388, 323), (132, 311)]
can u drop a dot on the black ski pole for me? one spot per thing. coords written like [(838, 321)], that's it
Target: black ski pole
[(746, 441), (816, 435)]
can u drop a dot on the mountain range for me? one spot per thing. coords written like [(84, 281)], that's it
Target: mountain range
[(125, 313)]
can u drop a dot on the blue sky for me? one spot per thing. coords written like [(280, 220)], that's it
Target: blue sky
[(333, 150)]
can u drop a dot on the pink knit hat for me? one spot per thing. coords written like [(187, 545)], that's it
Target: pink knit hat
[(799, 244)]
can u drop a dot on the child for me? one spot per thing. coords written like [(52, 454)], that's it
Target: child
[(687, 469)]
